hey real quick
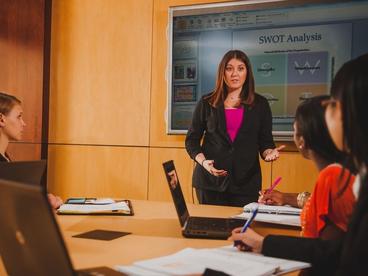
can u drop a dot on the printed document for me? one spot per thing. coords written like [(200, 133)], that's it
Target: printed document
[(226, 259)]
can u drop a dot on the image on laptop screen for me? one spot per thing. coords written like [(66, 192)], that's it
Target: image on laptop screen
[(176, 192)]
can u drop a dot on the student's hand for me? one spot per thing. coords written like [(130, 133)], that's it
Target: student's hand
[(271, 198), (54, 201), (251, 240), (208, 165), (273, 154)]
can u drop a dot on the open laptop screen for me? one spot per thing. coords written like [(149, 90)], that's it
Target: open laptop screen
[(31, 243), (30, 172), (176, 192)]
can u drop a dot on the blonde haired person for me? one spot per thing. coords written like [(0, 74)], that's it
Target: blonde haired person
[(11, 129)]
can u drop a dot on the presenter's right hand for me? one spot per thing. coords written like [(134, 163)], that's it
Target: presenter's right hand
[(208, 165), (271, 198)]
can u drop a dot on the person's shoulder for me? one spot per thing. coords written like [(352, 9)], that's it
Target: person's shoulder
[(259, 99), (331, 170), (331, 175), (204, 100)]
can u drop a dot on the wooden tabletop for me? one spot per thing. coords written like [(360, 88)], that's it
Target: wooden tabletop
[(155, 232)]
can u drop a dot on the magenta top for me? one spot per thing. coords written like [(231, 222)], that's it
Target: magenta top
[(234, 118)]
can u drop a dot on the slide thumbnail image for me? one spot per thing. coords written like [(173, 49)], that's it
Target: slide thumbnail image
[(276, 96), (298, 93), (269, 69), (308, 67)]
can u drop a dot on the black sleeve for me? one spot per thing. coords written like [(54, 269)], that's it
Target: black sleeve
[(322, 254), (196, 130), (265, 136), (212, 272)]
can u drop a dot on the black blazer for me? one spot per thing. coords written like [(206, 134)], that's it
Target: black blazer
[(347, 256), (239, 158)]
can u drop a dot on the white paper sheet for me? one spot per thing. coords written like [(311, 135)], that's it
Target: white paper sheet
[(226, 259), (90, 208), (272, 209), (291, 220)]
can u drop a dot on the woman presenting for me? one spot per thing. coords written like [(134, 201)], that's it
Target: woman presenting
[(236, 125)]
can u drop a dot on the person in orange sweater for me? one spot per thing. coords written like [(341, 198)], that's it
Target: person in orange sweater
[(327, 210)]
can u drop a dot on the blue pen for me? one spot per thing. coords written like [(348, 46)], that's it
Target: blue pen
[(247, 224)]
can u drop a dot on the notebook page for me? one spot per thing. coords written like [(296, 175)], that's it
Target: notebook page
[(273, 218), (272, 209), (194, 261), (284, 265)]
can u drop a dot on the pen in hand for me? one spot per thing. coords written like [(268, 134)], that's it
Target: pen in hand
[(247, 224), (274, 184)]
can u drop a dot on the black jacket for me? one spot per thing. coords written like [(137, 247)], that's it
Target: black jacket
[(239, 158), (348, 256)]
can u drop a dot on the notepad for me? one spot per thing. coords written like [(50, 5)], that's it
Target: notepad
[(226, 259), (272, 209), (272, 218), (123, 207)]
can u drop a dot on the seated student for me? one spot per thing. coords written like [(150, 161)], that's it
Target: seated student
[(346, 117), (11, 129), (327, 211)]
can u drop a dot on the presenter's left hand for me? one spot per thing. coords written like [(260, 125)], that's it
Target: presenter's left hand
[(273, 154)]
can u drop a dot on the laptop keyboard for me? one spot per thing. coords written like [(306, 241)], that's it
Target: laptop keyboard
[(213, 224)]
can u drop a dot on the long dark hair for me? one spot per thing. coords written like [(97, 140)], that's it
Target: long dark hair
[(350, 88), (219, 94), (311, 125)]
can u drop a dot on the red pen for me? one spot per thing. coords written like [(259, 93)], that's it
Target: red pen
[(277, 181)]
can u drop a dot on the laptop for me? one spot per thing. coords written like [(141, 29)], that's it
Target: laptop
[(31, 242), (23, 171), (197, 227)]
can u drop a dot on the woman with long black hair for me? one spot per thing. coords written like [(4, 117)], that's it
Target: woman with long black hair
[(346, 117)]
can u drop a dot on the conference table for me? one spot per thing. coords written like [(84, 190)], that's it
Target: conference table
[(155, 231)]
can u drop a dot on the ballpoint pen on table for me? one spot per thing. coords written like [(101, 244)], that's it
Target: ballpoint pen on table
[(246, 224)]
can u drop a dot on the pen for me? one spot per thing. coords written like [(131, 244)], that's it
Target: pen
[(277, 181), (246, 224)]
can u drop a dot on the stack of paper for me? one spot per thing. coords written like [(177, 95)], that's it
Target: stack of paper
[(273, 218), (225, 259), (284, 215), (113, 208), (273, 209)]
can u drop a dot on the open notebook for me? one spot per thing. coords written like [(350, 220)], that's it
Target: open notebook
[(284, 215), (226, 259)]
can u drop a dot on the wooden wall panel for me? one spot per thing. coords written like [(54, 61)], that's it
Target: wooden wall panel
[(157, 185), (298, 174), (266, 173), (120, 172), (24, 151), (22, 38), (101, 71)]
